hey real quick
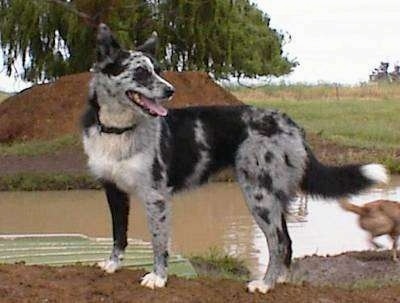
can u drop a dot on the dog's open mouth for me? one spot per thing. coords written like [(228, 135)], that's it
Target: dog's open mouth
[(148, 105)]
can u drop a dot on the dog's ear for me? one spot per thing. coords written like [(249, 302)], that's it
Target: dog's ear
[(107, 46), (150, 45)]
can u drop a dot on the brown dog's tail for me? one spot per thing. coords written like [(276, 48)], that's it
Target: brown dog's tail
[(346, 205)]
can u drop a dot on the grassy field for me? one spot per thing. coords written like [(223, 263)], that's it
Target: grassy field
[(46, 181), (358, 123), (35, 148)]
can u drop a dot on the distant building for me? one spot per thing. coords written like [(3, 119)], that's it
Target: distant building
[(381, 73)]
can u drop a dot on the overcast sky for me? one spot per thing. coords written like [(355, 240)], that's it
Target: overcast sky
[(337, 41), (10, 84), (334, 41)]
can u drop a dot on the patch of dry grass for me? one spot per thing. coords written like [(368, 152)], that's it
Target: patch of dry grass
[(295, 92)]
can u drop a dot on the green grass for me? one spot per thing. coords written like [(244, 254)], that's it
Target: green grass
[(35, 148), (216, 263), (365, 124), (46, 181), (391, 163)]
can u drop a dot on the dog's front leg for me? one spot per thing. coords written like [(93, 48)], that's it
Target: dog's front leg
[(118, 202), (158, 221)]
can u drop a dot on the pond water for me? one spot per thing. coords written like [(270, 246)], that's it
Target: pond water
[(211, 216)]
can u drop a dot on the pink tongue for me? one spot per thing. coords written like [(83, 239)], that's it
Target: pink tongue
[(153, 107)]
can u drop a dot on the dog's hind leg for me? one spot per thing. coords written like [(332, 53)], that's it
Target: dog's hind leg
[(158, 222), (394, 248), (266, 205), (286, 242), (118, 202)]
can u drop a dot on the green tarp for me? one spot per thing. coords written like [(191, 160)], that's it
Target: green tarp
[(78, 249)]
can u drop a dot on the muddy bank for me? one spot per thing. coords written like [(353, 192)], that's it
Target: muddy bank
[(20, 283), (350, 269), (68, 160)]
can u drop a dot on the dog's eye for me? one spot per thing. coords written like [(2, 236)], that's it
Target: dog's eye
[(141, 74)]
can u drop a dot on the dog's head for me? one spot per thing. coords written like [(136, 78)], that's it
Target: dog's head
[(130, 78)]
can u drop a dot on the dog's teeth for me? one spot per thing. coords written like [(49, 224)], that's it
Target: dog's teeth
[(136, 98)]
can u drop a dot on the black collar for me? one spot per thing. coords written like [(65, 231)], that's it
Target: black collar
[(114, 130), (106, 129)]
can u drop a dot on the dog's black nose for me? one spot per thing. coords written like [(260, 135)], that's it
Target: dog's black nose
[(169, 91)]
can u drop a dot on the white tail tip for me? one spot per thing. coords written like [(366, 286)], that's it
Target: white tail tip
[(376, 173)]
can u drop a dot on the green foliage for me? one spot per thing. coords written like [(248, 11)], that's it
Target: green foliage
[(216, 263), (220, 36), (391, 162)]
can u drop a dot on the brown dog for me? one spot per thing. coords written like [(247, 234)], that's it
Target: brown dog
[(380, 217)]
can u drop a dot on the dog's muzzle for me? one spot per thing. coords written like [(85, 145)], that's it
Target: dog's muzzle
[(148, 105)]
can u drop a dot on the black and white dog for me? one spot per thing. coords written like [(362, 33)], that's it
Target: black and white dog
[(135, 145)]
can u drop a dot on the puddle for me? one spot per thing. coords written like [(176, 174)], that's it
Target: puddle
[(212, 216)]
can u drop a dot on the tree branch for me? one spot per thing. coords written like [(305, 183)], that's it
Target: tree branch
[(86, 18)]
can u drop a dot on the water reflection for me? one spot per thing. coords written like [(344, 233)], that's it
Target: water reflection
[(211, 216)]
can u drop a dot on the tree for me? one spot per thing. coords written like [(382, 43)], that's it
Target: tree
[(224, 37)]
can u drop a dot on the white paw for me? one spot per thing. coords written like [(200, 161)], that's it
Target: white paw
[(258, 285), (109, 266), (283, 277), (152, 281)]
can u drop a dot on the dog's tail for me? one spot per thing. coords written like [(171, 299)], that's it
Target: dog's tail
[(346, 205), (339, 181)]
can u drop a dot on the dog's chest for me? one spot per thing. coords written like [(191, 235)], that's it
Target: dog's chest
[(114, 157)]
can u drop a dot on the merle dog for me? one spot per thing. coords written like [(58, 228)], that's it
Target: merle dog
[(134, 145)]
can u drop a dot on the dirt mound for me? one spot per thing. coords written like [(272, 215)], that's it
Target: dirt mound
[(51, 110), (349, 269)]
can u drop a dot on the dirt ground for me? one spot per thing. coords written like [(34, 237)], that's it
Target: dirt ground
[(51, 110), (350, 269), (68, 160), (20, 283)]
